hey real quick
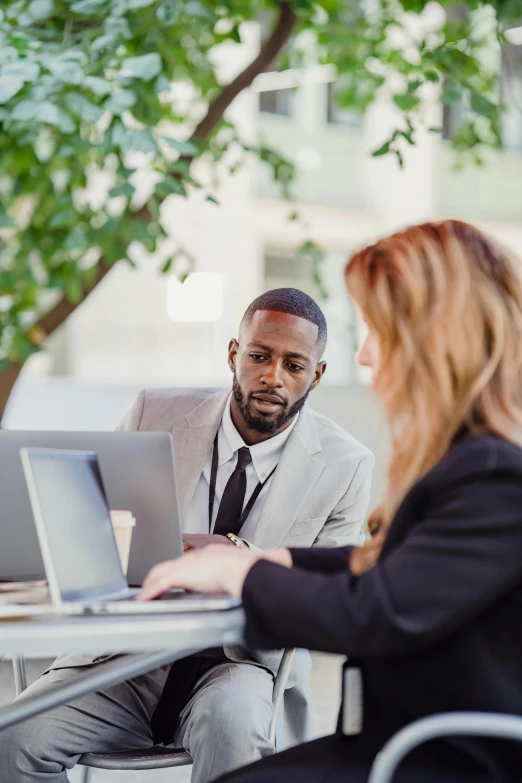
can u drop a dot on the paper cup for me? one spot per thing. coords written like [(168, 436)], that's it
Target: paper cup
[(123, 523)]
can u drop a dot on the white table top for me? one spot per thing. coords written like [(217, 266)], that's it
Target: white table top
[(49, 635)]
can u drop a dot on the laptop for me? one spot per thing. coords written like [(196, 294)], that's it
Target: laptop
[(139, 475), (78, 546)]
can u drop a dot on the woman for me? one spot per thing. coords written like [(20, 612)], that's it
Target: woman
[(430, 612)]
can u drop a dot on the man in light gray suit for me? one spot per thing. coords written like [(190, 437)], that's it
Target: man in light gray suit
[(255, 467)]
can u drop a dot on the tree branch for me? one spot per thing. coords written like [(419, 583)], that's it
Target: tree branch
[(44, 327), (55, 317), (8, 379), (269, 51)]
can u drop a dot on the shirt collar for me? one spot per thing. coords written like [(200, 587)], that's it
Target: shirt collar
[(265, 455)]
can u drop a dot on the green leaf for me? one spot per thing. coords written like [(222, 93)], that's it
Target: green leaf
[(74, 290), (76, 240), (145, 67), (23, 70), (102, 43), (40, 9), (62, 219), (166, 267), (169, 186), (22, 348), (25, 110), (120, 101), (406, 102), (5, 220), (213, 200), (98, 86), (51, 114), (484, 107), (81, 106), (169, 12), (66, 71), (451, 93), (123, 189), (48, 112), (431, 75), (87, 7), (196, 9), (162, 84), (133, 5), (9, 88), (384, 150), (139, 141), (183, 147)]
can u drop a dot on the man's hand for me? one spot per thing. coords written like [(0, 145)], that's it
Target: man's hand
[(199, 540)]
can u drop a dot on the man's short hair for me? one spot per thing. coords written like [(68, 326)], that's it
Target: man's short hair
[(293, 302)]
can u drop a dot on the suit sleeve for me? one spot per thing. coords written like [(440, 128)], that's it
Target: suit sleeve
[(132, 419), (471, 534), (345, 524)]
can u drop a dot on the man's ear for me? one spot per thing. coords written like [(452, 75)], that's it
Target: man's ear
[(233, 348), (320, 370)]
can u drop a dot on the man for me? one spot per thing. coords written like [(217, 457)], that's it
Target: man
[(255, 467)]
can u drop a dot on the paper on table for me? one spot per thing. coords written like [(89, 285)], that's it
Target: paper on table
[(7, 587), (24, 592)]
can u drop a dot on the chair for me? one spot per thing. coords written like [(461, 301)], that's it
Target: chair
[(484, 724), (157, 757)]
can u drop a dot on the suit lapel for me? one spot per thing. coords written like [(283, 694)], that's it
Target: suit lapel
[(192, 442), (296, 475)]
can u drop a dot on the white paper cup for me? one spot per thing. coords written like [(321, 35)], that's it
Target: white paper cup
[(123, 524)]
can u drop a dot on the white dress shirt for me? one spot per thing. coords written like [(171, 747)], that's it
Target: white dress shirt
[(265, 457)]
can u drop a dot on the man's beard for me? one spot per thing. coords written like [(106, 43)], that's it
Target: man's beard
[(259, 423)]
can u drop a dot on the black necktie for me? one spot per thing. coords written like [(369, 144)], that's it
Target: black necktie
[(231, 506)]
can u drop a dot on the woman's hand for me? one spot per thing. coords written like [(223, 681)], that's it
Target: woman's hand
[(211, 570)]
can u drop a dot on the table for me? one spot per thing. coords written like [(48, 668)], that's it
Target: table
[(151, 641)]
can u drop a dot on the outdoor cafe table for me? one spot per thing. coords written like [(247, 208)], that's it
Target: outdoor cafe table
[(151, 641)]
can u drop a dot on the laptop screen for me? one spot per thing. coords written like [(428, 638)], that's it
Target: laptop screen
[(74, 525)]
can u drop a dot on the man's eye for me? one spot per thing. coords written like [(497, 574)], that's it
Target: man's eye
[(257, 357), (295, 367)]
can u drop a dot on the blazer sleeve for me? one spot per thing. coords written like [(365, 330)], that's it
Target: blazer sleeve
[(345, 523), (471, 534), (322, 559), (132, 419)]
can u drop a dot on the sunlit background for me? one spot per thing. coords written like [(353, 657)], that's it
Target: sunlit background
[(142, 329)]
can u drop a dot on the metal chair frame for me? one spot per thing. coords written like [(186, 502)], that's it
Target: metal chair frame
[(157, 757), (479, 724)]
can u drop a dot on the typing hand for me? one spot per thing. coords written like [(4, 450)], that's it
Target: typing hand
[(209, 570), (199, 540)]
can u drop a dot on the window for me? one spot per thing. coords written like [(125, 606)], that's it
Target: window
[(276, 102), (455, 114), (512, 98), (336, 115)]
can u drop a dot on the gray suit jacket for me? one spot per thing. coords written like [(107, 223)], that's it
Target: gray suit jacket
[(318, 497)]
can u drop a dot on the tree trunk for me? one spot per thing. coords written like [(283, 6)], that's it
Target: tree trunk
[(8, 379), (42, 329)]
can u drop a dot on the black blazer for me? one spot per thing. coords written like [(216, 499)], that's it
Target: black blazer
[(437, 623)]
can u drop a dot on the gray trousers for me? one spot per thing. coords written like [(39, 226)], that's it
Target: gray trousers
[(223, 726)]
